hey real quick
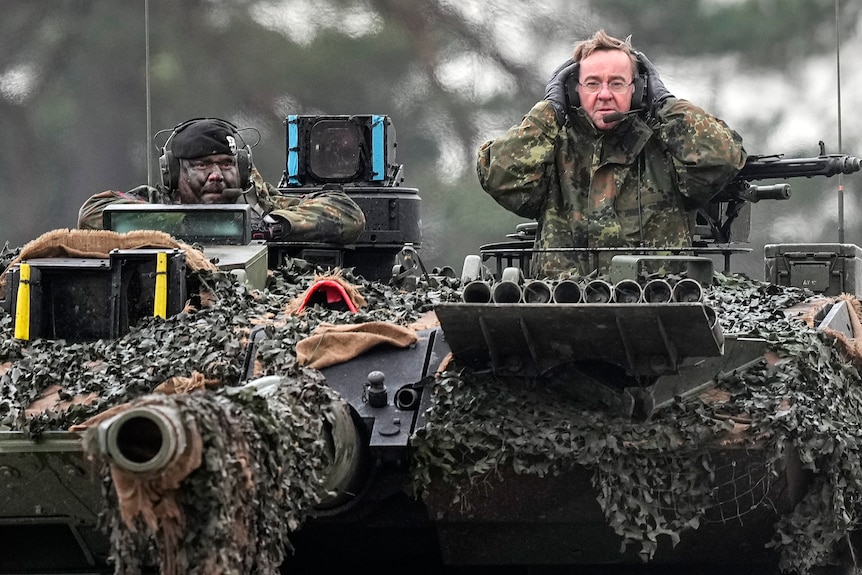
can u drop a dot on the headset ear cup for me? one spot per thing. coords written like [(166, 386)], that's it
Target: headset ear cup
[(163, 169), (170, 169), (572, 97), (243, 165), (639, 92)]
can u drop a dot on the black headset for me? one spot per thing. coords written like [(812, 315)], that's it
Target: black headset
[(639, 93), (169, 166)]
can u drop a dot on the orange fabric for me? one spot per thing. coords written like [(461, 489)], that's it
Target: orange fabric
[(179, 384), (50, 400), (332, 344)]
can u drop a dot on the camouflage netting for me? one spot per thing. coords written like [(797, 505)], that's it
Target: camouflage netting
[(653, 478), (659, 477), (274, 444), (209, 338), (258, 471)]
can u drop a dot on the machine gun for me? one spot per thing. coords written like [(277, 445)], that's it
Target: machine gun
[(740, 192)]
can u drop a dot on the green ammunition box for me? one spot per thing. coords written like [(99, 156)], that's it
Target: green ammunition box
[(830, 269)]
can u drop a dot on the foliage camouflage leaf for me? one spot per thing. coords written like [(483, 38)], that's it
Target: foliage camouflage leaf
[(657, 478), (654, 479)]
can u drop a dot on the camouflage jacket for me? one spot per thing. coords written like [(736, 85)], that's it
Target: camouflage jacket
[(629, 186), (330, 216)]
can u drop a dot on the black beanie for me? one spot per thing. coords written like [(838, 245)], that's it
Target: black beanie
[(204, 138)]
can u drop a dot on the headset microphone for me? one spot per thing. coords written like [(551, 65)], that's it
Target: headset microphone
[(617, 116)]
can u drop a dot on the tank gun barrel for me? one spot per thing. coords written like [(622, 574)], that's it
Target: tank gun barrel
[(151, 437), (143, 439), (344, 444)]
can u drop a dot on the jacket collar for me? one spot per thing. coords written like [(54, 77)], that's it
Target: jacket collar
[(621, 144)]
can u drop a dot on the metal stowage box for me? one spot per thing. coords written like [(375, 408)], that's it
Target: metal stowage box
[(830, 269)]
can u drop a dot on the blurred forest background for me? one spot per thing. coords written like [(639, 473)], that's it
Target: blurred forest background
[(450, 74)]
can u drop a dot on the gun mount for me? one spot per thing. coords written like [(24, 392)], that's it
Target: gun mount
[(152, 438), (715, 223)]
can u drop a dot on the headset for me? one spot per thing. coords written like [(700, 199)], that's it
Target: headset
[(169, 166), (639, 93)]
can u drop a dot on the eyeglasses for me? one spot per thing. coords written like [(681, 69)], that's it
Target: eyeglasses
[(616, 87)]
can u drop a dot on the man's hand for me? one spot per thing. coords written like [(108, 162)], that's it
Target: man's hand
[(657, 93), (269, 228), (555, 90)]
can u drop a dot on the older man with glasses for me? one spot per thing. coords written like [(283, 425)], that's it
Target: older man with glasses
[(609, 158)]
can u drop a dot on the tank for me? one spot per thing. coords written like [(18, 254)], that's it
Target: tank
[(190, 408)]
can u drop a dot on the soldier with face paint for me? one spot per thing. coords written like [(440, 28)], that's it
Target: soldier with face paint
[(212, 168), (618, 165)]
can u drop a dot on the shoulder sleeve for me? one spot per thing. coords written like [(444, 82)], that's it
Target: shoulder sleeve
[(330, 216), (706, 153), (90, 214), (514, 169)]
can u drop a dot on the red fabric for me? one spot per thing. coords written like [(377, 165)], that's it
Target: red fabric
[(333, 291)]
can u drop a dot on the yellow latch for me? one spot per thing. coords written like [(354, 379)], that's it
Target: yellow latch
[(22, 303), (160, 305)]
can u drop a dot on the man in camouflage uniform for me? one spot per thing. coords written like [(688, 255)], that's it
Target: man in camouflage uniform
[(624, 181), (207, 153)]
